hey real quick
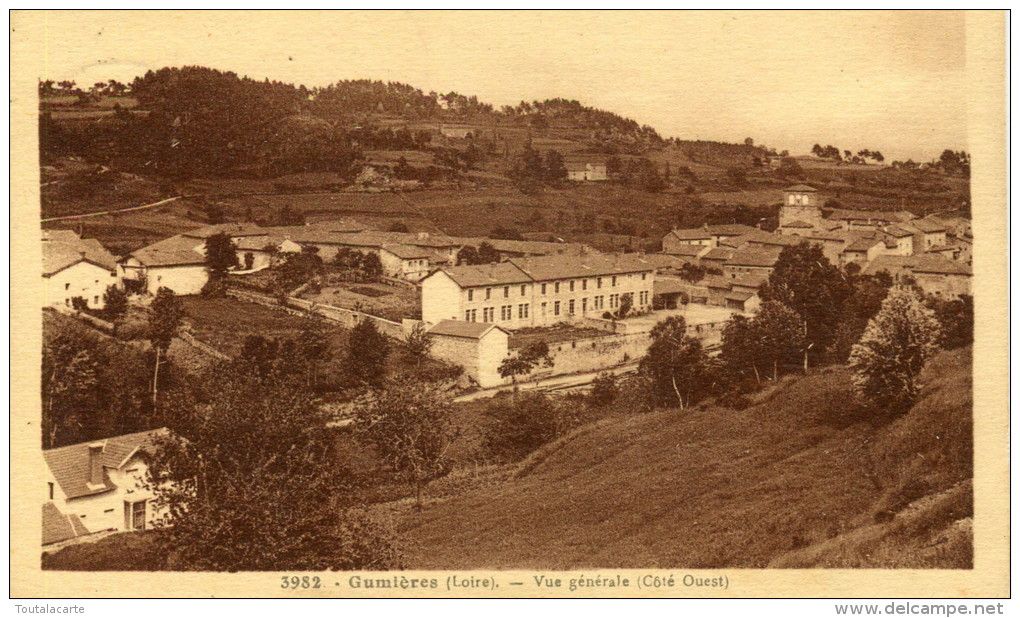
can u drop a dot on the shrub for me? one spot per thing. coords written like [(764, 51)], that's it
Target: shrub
[(519, 425), (603, 390)]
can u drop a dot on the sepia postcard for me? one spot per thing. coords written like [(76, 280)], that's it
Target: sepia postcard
[(509, 304)]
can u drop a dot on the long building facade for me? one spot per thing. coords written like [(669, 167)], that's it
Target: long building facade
[(541, 291)]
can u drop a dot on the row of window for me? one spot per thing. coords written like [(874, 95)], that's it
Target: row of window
[(506, 312), (614, 280)]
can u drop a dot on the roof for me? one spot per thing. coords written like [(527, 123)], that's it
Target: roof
[(800, 188), (798, 223), (717, 282), (668, 285), (750, 280), (753, 257), (869, 215), (407, 252), (69, 465), (57, 526), (928, 226), (718, 253), (174, 251), (730, 229), (486, 274), (529, 247), (63, 249), (740, 296), (698, 233), (761, 237), (686, 249), (548, 268), (897, 231), (862, 245), (256, 243), (933, 264), (459, 328)]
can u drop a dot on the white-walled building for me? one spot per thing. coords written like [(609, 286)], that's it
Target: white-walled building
[(98, 486), (542, 291), (177, 263), (75, 267), (479, 348)]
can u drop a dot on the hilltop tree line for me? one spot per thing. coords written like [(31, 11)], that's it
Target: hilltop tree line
[(202, 121), (831, 152)]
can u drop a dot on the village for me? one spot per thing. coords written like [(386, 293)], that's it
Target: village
[(593, 312)]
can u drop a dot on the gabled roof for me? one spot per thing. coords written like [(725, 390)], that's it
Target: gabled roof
[(933, 264), (668, 285), (57, 526), (698, 233), (174, 251), (718, 253), (63, 249), (486, 274), (529, 247), (468, 330), (928, 226), (548, 268), (800, 188), (687, 250), (862, 245), (753, 257), (740, 296), (750, 280), (70, 465), (897, 231), (407, 252), (230, 229)]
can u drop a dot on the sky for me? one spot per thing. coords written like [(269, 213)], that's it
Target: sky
[(889, 81)]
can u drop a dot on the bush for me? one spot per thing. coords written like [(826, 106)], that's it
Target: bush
[(603, 390), (520, 424)]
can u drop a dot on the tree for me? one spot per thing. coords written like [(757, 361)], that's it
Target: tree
[(165, 316), (527, 170), (467, 255), (858, 309), (487, 254), (748, 141), (371, 265), (772, 338), (603, 390), (956, 318), (789, 168), (675, 364), (411, 428), (519, 425), (805, 281), (419, 342), (692, 273), (367, 351), (626, 303), (893, 350), (555, 168), (220, 256), (525, 361), (115, 303), (250, 480), (70, 381)]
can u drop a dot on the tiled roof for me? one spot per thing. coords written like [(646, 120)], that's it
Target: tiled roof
[(798, 224), (548, 268), (668, 285), (718, 253), (407, 252), (174, 251), (869, 215), (739, 296), (459, 328), (928, 226), (753, 257), (687, 249), (487, 274), (730, 229), (70, 464), (897, 231), (57, 526), (698, 233), (529, 247), (861, 245), (63, 248), (935, 264), (750, 280)]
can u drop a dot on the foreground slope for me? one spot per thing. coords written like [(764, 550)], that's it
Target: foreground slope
[(798, 479)]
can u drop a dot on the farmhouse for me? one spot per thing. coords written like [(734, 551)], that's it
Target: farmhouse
[(75, 267), (934, 274), (541, 291), (97, 486), (177, 263), (582, 170)]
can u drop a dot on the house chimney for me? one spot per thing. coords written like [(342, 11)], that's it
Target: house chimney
[(96, 464)]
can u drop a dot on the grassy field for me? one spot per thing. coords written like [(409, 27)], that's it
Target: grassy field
[(795, 480), (385, 301), (224, 323)]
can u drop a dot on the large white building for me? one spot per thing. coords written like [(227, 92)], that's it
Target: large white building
[(75, 267), (540, 291)]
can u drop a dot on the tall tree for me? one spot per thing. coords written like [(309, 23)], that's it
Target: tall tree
[(524, 361), (893, 350), (412, 429), (367, 351), (675, 364), (805, 281), (220, 256), (165, 316)]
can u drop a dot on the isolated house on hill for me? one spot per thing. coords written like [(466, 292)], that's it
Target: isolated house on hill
[(98, 486), (75, 267), (584, 170)]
